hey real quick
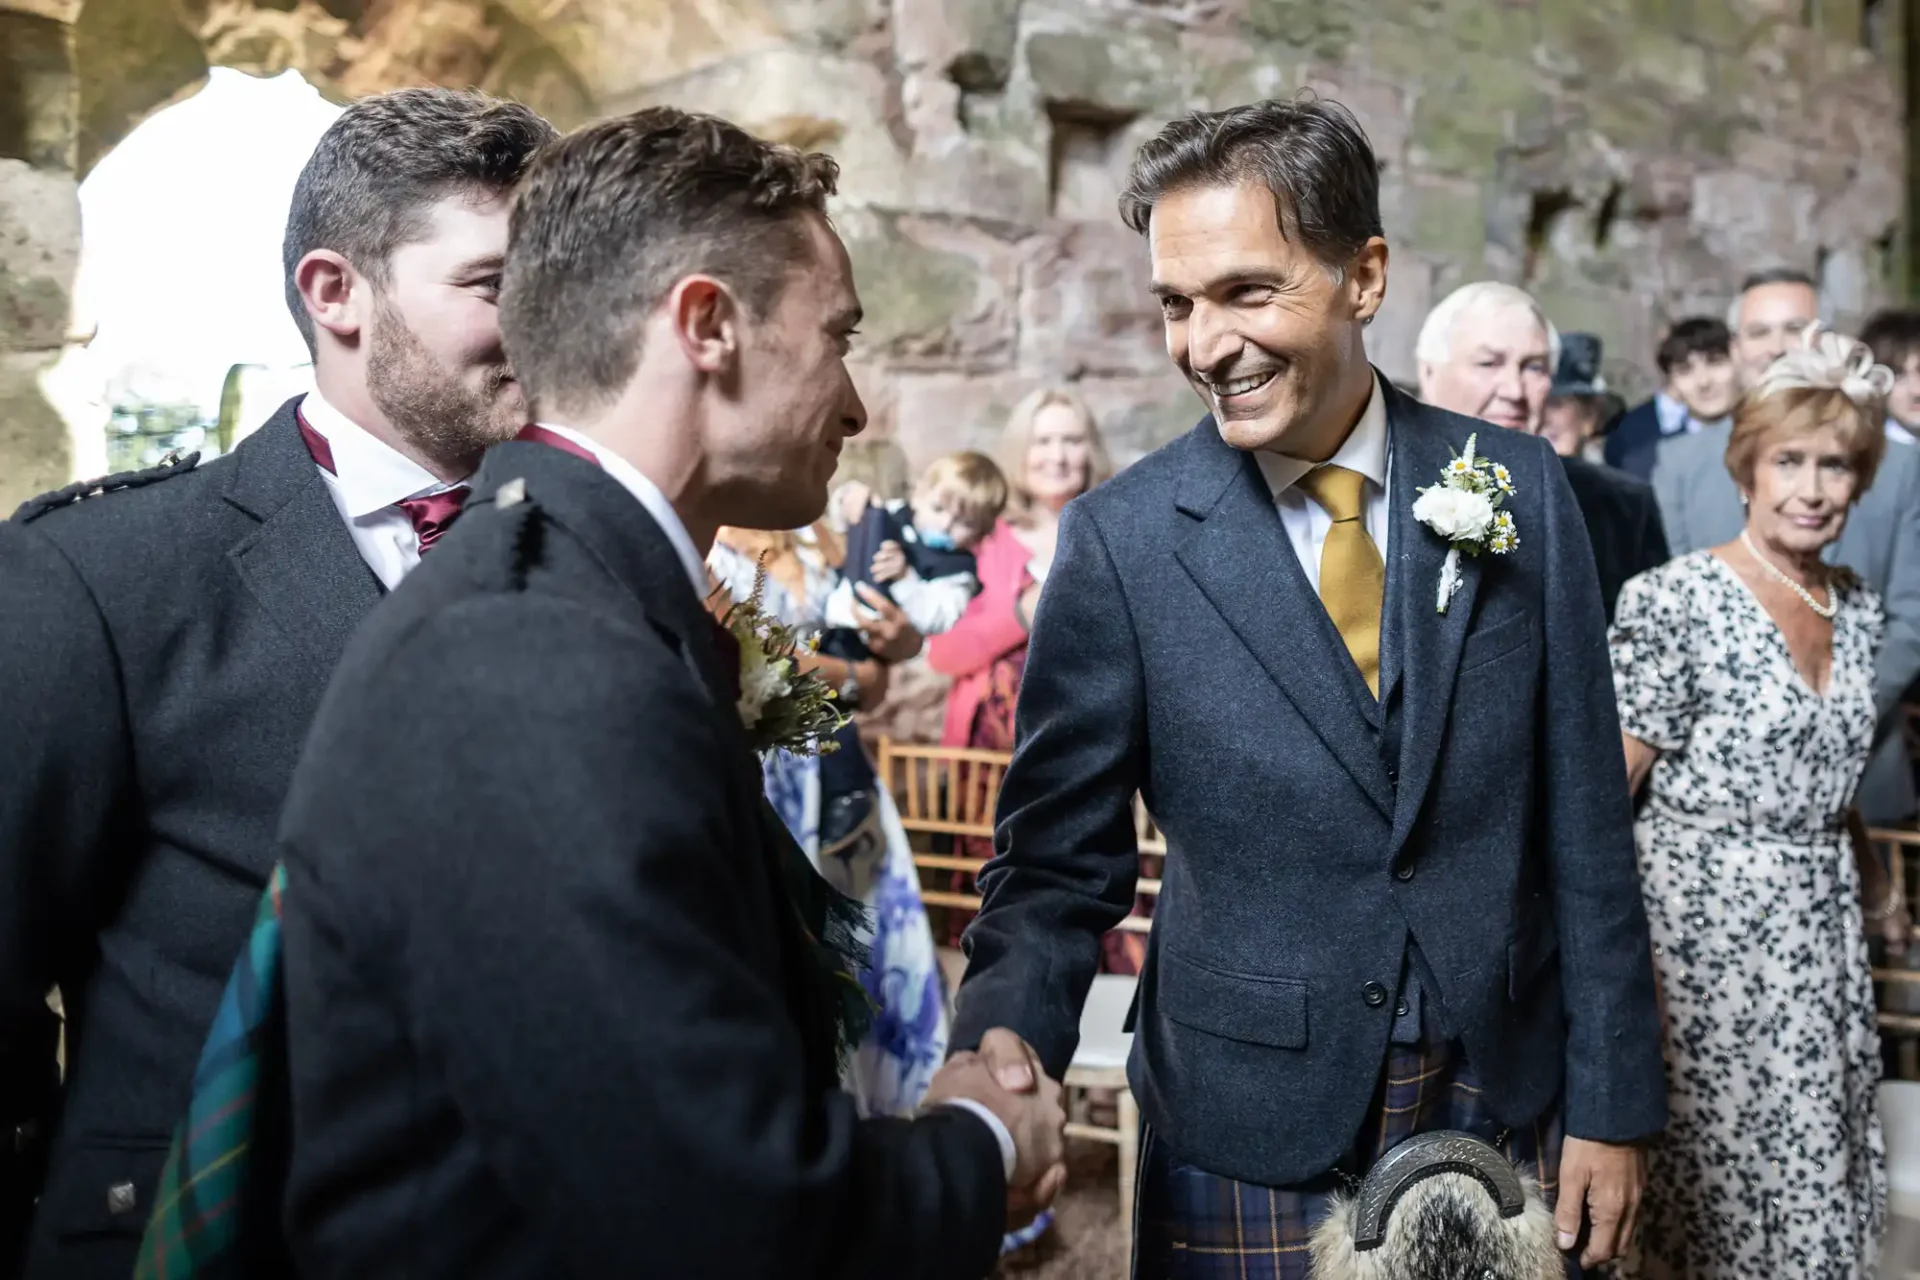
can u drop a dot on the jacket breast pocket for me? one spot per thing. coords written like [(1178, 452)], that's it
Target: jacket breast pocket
[(1235, 1006), (1501, 640)]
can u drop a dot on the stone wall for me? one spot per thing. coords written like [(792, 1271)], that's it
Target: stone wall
[(1625, 159)]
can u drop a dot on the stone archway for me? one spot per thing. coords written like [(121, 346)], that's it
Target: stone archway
[(77, 75)]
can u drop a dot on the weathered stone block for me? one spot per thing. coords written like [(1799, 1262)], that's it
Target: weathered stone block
[(35, 454), (39, 98), (1114, 72), (935, 290), (761, 91), (39, 254), (1084, 305), (1324, 29), (968, 41), (130, 56)]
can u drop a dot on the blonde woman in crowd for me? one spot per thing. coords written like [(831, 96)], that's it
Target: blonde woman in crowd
[(1745, 679)]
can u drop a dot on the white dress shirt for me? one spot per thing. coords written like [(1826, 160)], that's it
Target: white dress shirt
[(1898, 433), (648, 495), (369, 476), (1306, 521)]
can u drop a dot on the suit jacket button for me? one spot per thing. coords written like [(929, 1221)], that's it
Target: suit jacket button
[(120, 1198), (1401, 1008), (1404, 872), (1374, 994)]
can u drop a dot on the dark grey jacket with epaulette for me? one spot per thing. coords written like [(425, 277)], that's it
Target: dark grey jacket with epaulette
[(163, 645)]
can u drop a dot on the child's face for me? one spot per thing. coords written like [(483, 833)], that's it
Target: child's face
[(937, 515)]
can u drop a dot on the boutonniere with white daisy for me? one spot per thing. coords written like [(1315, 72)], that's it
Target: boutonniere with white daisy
[(1464, 508), (780, 706)]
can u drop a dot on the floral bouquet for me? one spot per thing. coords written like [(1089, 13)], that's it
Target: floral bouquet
[(781, 707)]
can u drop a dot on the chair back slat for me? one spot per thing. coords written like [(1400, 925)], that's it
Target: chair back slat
[(952, 793)]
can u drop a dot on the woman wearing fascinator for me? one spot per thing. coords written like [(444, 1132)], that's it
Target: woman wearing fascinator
[(1745, 680)]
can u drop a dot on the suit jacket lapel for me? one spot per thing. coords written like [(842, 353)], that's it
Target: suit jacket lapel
[(1426, 643), (629, 544), (301, 563), (1239, 556)]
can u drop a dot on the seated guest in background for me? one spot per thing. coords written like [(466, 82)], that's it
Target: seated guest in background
[(1487, 351), (1894, 339), (1699, 389), (920, 554), (1050, 452), (870, 471), (163, 648), (1745, 676), (1881, 542), (1577, 401)]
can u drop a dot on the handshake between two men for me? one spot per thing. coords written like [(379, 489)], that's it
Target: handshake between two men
[(1004, 1076)]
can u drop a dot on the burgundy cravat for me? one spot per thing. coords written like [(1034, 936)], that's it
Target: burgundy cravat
[(432, 515)]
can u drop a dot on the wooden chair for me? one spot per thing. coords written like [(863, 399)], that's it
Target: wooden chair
[(952, 792)]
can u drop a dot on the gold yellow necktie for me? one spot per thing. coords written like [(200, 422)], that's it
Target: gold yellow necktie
[(1353, 577)]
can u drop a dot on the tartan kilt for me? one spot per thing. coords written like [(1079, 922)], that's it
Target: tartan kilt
[(1195, 1225)]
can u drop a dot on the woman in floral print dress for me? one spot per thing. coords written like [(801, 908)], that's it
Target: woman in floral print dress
[(1745, 680)]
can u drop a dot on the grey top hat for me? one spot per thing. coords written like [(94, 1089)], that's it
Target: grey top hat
[(1579, 371)]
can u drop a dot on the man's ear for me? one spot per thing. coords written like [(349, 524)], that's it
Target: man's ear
[(1367, 279), (336, 296), (705, 319)]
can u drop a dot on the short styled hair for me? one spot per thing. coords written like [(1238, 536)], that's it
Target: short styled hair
[(1771, 275), (1310, 153), (1435, 344), (612, 216), (1694, 336), (972, 483), (1831, 381), (366, 188), (1017, 438), (1893, 337)]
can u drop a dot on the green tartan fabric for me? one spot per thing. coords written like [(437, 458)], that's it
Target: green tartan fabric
[(200, 1225)]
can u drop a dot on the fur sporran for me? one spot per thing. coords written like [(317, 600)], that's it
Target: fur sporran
[(1450, 1207)]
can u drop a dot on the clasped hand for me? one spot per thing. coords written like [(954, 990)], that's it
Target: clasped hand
[(1004, 1075)]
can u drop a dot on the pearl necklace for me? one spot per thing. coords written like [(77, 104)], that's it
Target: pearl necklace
[(1826, 610)]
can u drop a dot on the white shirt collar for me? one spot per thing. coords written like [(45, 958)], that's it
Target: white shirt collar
[(1898, 433), (1365, 450), (648, 494), (368, 473), (1671, 413)]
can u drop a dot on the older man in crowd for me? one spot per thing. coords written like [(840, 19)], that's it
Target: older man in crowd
[(1488, 351), (1701, 507)]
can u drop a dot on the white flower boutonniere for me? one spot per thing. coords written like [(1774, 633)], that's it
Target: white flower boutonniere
[(781, 707), (1464, 508)]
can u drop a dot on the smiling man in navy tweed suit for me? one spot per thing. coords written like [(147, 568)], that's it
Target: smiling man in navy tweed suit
[(1400, 892)]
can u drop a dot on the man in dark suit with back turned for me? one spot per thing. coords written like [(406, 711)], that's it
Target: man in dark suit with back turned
[(1400, 891), (559, 999), (163, 646), (1487, 351)]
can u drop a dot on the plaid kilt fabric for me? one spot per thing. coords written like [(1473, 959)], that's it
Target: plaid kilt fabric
[(1195, 1225), (211, 1218)]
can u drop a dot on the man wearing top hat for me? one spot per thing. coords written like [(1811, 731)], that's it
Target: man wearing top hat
[(1488, 351)]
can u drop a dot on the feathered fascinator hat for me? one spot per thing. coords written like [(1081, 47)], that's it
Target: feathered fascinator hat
[(1829, 361)]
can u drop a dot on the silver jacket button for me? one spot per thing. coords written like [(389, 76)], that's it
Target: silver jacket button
[(120, 1198)]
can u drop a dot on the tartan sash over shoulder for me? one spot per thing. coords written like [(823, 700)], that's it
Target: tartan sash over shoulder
[(216, 1208)]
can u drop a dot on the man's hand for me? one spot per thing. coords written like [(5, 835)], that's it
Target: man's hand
[(1603, 1182), (889, 563), (884, 627), (1033, 1112)]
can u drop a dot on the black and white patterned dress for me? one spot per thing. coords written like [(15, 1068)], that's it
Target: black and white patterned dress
[(1773, 1164)]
